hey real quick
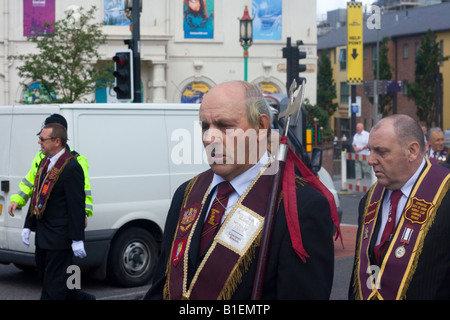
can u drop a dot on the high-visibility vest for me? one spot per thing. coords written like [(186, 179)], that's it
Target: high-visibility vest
[(26, 185)]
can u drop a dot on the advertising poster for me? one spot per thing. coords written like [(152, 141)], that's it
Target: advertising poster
[(38, 93), (267, 18), (194, 92), (114, 13), (198, 19), (35, 14)]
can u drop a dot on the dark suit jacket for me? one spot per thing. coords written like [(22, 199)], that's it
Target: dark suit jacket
[(287, 277), (64, 217), (432, 277)]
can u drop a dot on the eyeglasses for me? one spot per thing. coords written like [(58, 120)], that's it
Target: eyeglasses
[(45, 139)]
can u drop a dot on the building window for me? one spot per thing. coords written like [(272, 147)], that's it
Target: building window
[(374, 57), (405, 51), (343, 59), (345, 92)]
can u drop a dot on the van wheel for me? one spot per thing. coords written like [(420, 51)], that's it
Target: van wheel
[(132, 257)]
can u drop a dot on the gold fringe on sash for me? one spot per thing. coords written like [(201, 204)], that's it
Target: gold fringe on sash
[(166, 291), (239, 270), (425, 230), (406, 282), (244, 262), (356, 280)]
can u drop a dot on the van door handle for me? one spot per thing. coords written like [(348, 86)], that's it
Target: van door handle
[(5, 186)]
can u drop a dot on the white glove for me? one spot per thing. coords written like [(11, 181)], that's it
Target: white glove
[(25, 237), (78, 249)]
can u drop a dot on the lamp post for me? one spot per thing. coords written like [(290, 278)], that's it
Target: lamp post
[(246, 37)]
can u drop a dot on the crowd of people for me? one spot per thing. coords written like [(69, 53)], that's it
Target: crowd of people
[(215, 225)]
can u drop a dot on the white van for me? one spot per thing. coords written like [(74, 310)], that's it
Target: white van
[(138, 155)]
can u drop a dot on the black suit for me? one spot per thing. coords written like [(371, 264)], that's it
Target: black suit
[(287, 277), (431, 279), (62, 221)]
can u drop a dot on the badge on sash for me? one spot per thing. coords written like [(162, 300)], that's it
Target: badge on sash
[(407, 233), (418, 211), (179, 246), (241, 229), (189, 216)]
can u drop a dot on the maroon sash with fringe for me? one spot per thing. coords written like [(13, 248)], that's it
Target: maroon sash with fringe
[(42, 192), (391, 279), (225, 261)]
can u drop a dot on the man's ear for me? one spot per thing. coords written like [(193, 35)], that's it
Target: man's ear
[(263, 123), (413, 150)]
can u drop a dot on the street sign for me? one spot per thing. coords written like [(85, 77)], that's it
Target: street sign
[(369, 88), (354, 108), (354, 42), (383, 87)]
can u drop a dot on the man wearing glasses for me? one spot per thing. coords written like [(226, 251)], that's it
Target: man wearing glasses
[(20, 199), (56, 213)]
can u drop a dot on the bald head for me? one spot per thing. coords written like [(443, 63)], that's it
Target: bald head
[(405, 128)]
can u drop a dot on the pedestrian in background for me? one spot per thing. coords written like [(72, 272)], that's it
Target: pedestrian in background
[(359, 143)]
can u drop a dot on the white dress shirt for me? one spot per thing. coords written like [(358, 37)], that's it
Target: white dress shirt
[(54, 159), (360, 140), (239, 183)]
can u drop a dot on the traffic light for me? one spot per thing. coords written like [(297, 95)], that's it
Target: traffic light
[(293, 55), (123, 72)]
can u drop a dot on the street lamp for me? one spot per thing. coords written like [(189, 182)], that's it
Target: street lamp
[(246, 36)]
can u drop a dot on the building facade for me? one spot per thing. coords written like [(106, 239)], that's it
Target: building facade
[(178, 64), (404, 30)]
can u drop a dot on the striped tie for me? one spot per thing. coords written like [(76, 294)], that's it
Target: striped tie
[(215, 214)]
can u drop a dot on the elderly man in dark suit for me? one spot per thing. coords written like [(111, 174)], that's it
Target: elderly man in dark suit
[(56, 213), (437, 152), (228, 203), (403, 239)]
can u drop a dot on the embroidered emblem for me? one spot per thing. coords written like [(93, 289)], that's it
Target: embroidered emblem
[(366, 232), (189, 216), (179, 246), (418, 211), (371, 211), (212, 217)]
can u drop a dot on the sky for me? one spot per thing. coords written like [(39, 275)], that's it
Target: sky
[(327, 5)]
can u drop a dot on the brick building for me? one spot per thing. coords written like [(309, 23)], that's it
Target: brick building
[(405, 30)]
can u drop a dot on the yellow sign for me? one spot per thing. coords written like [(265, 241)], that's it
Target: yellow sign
[(354, 42)]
